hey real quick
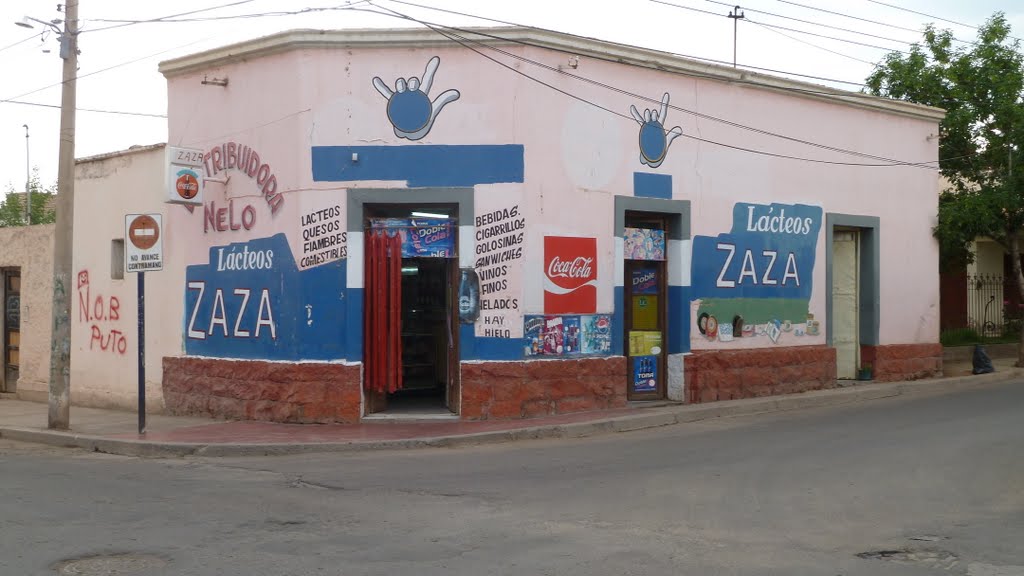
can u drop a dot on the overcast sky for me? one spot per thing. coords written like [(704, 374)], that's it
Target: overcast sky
[(134, 85)]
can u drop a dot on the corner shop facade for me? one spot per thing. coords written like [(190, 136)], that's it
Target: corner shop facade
[(617, 256)]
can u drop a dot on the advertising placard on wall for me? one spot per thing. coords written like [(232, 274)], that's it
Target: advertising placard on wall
[(643, 244), (570, 275)]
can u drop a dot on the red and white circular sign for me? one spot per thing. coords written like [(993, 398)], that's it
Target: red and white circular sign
[(143, 232)]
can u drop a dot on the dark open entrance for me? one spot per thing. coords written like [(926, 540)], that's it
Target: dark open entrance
[(424, 315)]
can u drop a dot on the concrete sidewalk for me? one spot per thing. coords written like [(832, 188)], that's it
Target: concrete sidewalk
[(115, 432)]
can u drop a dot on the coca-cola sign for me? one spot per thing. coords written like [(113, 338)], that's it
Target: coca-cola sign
[(570, 283)]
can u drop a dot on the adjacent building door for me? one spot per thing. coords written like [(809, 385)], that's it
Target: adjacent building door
[(12, 328), (846, 302)]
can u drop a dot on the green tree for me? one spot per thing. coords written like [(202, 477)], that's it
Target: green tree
[(981, 87), (12, 208)]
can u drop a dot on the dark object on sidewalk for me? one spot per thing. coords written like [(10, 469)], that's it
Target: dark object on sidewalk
[(865, 372), (982, 363)]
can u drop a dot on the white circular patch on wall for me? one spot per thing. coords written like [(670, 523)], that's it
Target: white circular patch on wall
[(592, 149)]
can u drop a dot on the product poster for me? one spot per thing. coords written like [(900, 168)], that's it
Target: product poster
[(597, 334), (643, 343), (645, 280), (645, 313), (422, 237), (644, 244), (645, 373), (533, 333), (571, 330), (554, 336), (567, 335)]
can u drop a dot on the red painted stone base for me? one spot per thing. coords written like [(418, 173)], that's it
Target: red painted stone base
[(903, 361), (505, 390), (732, 374), (256, 390)]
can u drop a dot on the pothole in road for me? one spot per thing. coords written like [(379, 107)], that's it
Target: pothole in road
[(942, 559), (111, 565)]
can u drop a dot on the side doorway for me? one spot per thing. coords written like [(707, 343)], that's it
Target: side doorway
[(846, 301)]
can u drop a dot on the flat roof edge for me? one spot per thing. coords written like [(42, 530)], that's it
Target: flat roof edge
[(405, 38)]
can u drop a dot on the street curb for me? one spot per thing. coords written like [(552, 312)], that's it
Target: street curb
[(644, 419)]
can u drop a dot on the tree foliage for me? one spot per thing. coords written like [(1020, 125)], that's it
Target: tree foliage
[(12, 208), (981, 87)]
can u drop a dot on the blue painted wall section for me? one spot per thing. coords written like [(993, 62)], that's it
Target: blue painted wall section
[(252, 302), (473, 348), (648, 185), (421, 165), (768, 254), (618, 321), (756, 280), (678, 319)]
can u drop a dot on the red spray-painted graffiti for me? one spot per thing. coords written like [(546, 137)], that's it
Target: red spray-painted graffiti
[(100, 312)]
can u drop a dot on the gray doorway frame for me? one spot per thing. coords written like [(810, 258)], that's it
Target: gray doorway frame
[(869, 283)]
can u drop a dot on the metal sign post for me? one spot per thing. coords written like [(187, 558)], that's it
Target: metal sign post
[(143, 251)]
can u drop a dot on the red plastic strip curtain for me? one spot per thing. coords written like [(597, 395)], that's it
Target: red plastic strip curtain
[(382, 318)]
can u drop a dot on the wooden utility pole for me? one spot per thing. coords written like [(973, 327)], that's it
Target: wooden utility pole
[(60, 347)]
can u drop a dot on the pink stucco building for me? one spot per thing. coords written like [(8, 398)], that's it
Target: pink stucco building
[(393, 222)]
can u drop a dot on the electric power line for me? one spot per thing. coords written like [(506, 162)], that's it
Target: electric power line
[(123, 23), (811, 44), (811, 22), (868, 20), (690, 56), (93, 73), (22, 41), (895, 7), (172, 19), (461, 40), (57, 106), (887, 49)]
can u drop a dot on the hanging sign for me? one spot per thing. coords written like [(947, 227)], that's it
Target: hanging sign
[(422, 237), (184, 178)]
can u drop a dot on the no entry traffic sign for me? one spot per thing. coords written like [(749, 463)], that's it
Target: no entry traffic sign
[(144, 242)]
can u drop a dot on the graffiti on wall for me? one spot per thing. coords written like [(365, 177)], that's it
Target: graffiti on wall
[(410, 110), (102, 314), (251, 301), (654, 139), (500, 235), (570, 275), (756, 280)]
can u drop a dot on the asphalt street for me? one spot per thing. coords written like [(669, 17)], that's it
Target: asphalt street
[(927, 484)]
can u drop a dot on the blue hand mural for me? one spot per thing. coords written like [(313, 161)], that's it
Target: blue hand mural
[(654, 140), (409, 107)]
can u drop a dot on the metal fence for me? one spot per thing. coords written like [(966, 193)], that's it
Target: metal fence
[(992, 308)]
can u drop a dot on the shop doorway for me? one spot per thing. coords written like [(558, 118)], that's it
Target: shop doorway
[(411, 324), (645, 306), (846, 301)]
